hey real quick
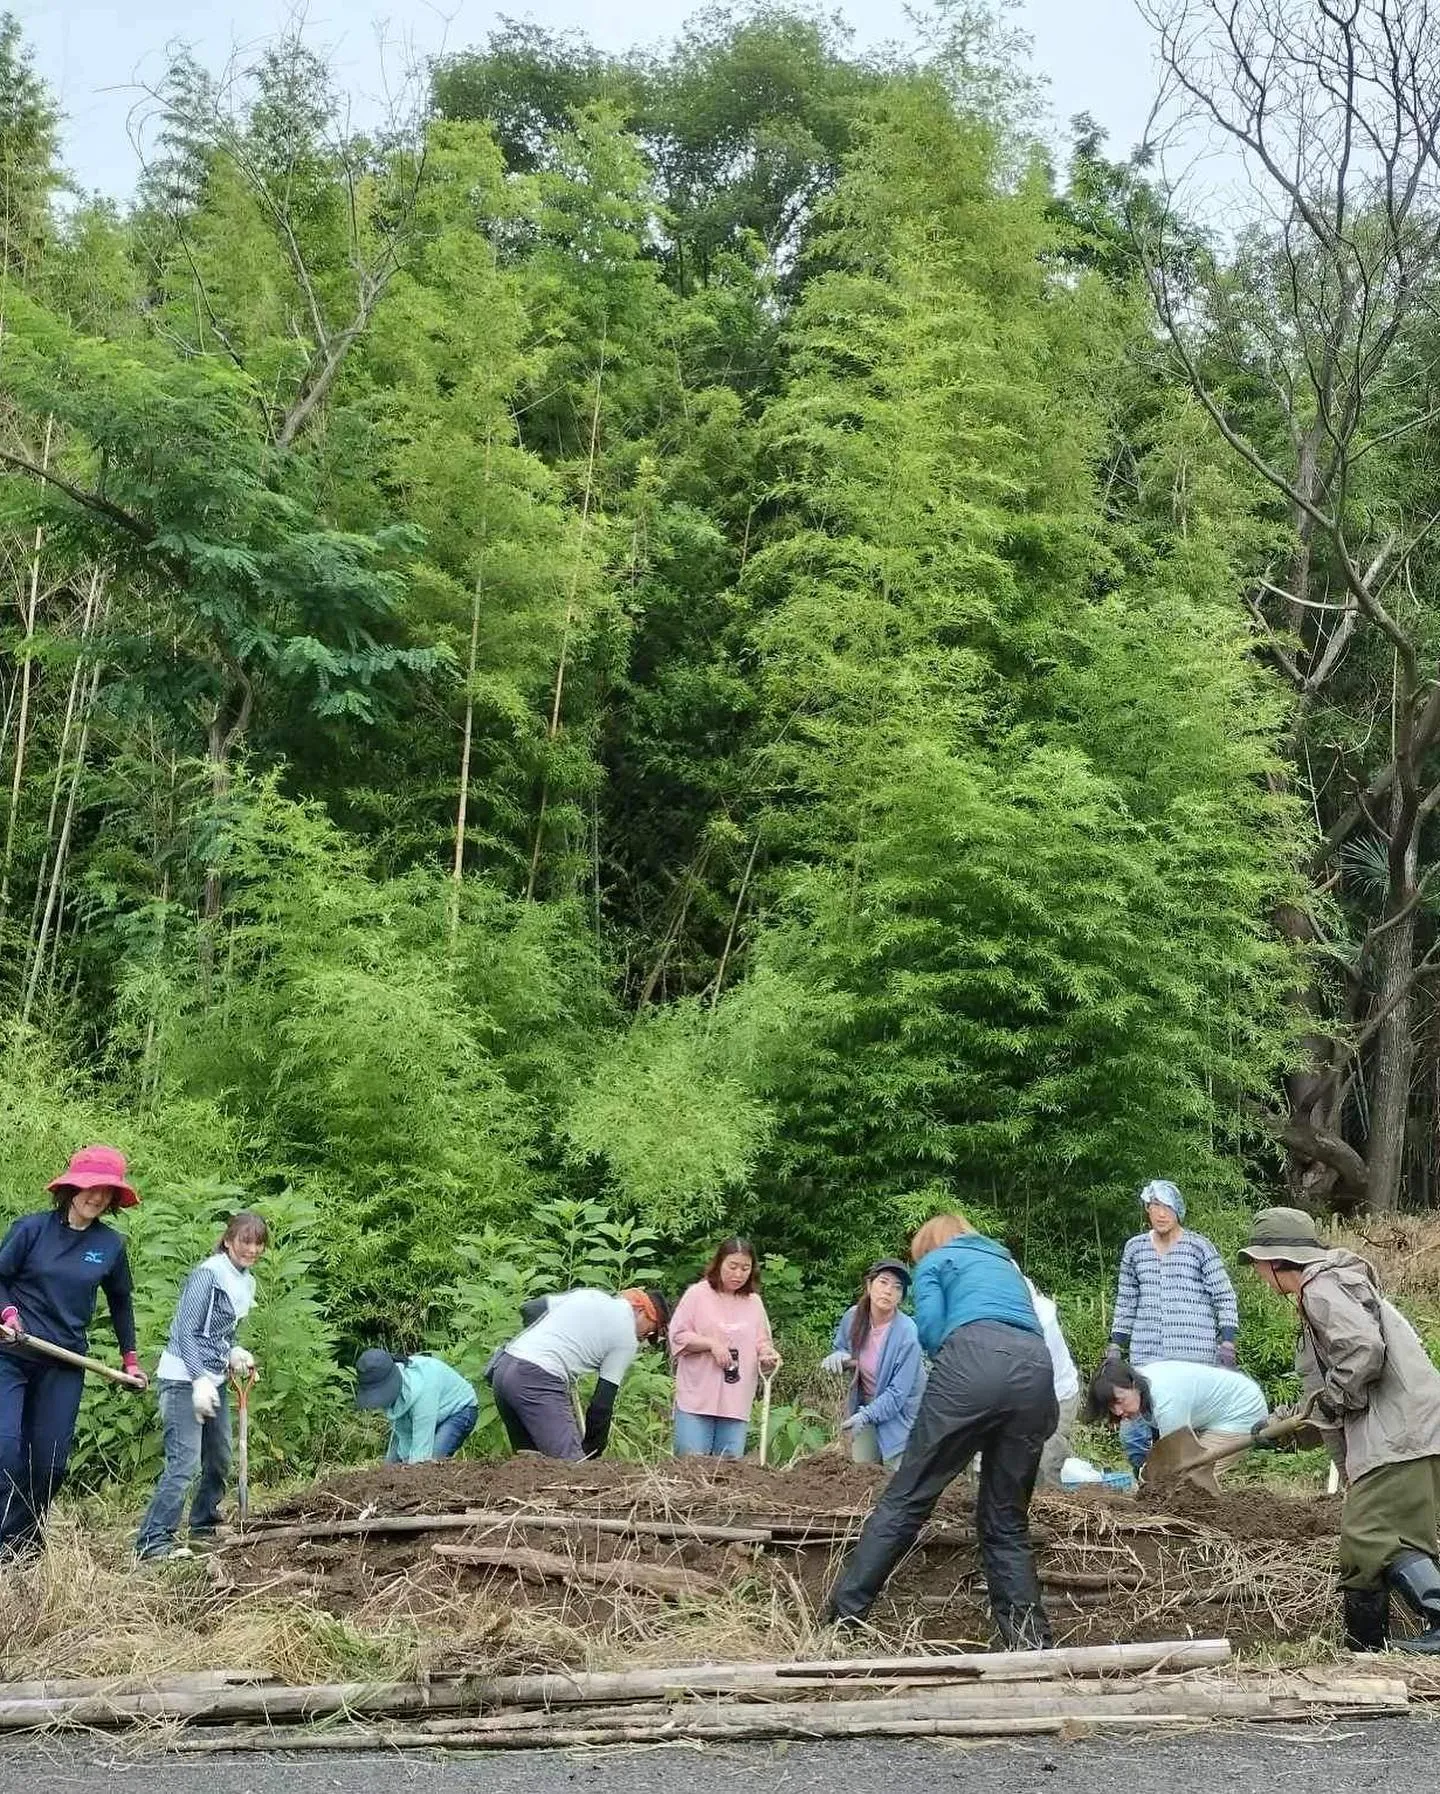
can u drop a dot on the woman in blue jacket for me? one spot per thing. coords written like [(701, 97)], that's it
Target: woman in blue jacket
[(880, 1349), (991, 1390)]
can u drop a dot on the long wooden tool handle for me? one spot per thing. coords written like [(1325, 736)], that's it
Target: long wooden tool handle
[(44, 1346), (1279, 1429)]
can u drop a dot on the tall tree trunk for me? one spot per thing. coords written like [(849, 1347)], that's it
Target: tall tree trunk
[(1395, 1042), (30, 604)]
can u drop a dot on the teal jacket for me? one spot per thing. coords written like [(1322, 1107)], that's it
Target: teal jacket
[(429, 1393), (969, 1279)]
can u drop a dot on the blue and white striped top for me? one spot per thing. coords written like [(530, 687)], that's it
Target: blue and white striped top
[(216, 1298), (1176, 1305)]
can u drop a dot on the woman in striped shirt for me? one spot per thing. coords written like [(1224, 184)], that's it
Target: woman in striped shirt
[(198, 1357)]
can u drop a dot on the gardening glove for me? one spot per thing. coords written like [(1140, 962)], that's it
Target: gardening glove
[(130, 1364), (1225, 1354), (204, 1398), (852, 1422), (241, 1363), (769, 1362), (10, 1321), (836, 1364), (1113, 1351)]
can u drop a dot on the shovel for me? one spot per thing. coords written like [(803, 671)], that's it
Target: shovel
[(767, 1378), (122, 1377), (1180, 1454), (242, 1387)]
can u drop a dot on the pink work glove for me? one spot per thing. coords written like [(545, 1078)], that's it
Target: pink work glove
[(10, 1320)]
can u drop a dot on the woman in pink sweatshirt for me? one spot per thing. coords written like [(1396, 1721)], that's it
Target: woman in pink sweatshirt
[(720, 1342)]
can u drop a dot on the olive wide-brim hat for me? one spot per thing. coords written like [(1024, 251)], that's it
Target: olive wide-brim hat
[(1284, 1234)]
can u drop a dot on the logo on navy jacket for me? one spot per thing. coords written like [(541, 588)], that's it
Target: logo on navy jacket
[(94, 1258)]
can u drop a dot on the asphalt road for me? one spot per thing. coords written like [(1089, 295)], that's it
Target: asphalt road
[(1398, 1756)]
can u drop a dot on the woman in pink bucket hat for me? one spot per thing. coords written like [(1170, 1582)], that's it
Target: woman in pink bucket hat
[(52, 1264)]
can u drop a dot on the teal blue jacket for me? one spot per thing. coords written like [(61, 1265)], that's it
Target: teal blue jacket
[(969, 1279), (429, 1393)]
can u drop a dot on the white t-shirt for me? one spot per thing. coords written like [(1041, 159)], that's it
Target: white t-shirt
[(583, 1330), (1206, 1397), (1067, 1378)]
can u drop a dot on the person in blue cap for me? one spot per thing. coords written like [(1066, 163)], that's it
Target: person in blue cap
[(878, 1348), (431, 1408)]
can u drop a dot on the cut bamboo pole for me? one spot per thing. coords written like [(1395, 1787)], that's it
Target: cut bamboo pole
[(550, 1566), (475, 1518), (120, 1702), (956, 1713), (87, 1687)]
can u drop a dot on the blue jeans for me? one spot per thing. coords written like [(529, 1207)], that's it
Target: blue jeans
[(452, 1432), (1137, 1435), (708, 1436), (190, 1445)]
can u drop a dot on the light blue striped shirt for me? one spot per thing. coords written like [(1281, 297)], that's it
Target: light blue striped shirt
[(1176, 1305)]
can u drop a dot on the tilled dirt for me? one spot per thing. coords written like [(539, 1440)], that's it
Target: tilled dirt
[(1170, 1563)]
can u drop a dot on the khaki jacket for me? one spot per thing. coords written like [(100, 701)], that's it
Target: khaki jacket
[(1368, 1364)]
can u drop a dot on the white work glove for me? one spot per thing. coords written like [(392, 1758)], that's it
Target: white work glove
[(241, 1363), (204, 1398), (836, 1364)]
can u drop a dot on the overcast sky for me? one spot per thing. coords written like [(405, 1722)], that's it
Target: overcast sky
[(1095, 54)]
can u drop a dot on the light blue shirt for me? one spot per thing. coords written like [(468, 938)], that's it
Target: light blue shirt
[(1204, 1397)]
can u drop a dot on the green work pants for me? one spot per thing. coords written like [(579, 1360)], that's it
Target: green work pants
[(1391, 1509)]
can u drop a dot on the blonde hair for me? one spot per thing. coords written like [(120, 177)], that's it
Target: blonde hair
[(939, 1230)]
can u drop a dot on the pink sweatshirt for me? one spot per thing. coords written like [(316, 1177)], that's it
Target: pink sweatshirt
[(740, 1321)]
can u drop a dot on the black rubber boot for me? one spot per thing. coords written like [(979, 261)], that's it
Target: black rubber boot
[(1415, 1577), (1024, 1628), (1367, 1618)]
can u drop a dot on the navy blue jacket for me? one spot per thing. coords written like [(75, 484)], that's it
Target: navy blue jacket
[(51, 1271), (969, 1279)]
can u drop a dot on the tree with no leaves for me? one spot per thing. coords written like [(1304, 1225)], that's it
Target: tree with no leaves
[(1312, 350)]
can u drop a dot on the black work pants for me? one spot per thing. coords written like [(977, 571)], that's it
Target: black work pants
[(991, 1390)]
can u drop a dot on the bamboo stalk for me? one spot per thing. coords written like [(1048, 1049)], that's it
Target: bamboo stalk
[(120, 1701), (997, 1716), (89, 1687), (553, 727), (462, 804), (478, 1517), (550, 1566), (26, 680)]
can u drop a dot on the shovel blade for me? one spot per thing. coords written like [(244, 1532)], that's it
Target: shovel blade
[(1180, 1454)]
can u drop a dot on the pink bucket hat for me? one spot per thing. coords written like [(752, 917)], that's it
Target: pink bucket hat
[(94, 1166)]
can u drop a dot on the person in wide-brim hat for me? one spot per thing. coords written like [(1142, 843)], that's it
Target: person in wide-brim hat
[(1283, 1235), (1379, 1399), (53, 1265), (431, 1408)]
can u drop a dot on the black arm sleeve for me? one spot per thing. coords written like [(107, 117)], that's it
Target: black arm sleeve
[(531, 1310), (117, 1287), (598, 1416)]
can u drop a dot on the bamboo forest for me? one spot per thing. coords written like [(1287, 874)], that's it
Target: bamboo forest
[(725, 638)]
